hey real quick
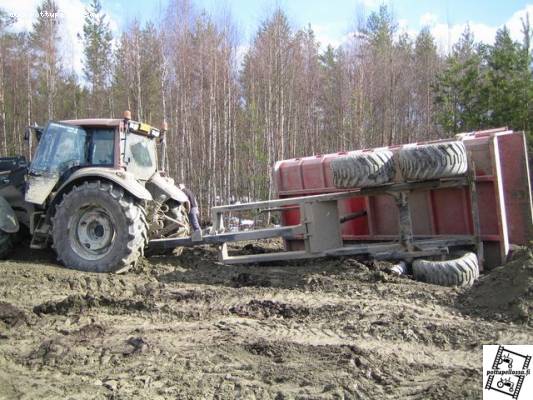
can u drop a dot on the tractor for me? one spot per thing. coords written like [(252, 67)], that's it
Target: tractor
[(506, 359), (94, 190), (506, 382)]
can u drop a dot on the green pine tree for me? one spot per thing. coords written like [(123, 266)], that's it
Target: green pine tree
[(460, 87), (151, 74), (508, 103), (97, 39)]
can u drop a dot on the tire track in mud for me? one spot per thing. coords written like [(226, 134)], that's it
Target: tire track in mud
[(189, 328)]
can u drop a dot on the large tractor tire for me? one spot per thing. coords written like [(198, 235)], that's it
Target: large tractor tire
[(163, 227), (462, 271), (6, 244), (363, 169), (433, 161), (98, 228)]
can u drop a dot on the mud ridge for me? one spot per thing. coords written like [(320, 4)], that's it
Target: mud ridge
[(77, 304), (268, 309), (504, 294)]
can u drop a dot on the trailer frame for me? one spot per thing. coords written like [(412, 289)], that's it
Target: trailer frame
[(320, 227)]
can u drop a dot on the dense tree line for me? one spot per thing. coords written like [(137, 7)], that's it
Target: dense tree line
[(231, 118)]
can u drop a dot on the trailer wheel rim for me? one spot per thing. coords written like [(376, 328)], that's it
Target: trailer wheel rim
[(92, 232)]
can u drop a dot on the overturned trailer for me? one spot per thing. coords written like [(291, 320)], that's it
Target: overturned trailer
[(500, 181), (417, 202)]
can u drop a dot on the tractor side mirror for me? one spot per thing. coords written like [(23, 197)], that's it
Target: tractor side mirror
[(38, 132)]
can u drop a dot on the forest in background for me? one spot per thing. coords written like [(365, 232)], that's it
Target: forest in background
[(232, 116)]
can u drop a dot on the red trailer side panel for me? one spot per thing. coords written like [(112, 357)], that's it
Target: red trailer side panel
[(502, 182)]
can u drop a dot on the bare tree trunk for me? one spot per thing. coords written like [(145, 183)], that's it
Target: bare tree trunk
[(3, 133), (28, 104)]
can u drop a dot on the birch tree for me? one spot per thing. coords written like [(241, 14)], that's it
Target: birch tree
[(45, 42)]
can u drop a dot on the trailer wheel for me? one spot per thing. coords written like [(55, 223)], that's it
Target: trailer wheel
[(433, 161), (462, 271), (6, 244), (363, 169), (98, 228)]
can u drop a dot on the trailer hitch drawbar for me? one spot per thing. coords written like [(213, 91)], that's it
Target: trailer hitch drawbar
[(286, 232), (320, 227)]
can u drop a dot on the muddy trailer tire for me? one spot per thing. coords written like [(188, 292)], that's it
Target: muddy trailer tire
[(6, 244), (363, 169), (433, 161), (462, 271), (98, 228)]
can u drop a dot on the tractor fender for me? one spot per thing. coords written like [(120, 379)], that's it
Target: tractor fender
[(161, 185), (125, 180), (8, 219)]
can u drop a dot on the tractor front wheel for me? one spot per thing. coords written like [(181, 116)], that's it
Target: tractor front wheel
[(98, 228)]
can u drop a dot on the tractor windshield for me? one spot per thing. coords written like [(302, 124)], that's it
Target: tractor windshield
[(141, 156), (60, 145), (65, 146)]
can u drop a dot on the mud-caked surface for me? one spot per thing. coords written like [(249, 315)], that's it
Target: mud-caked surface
[(189, 328), (506, 293)]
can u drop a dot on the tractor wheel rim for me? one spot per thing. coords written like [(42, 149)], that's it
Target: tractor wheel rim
[(92, 232)]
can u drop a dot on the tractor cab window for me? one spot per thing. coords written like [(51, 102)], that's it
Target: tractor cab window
[(60, 148), (101, 146), (65, 146), (141, 158)]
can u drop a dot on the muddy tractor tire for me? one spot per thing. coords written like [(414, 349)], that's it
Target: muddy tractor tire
[(6, 244), (98, 228), (433, 161), (163, 227), (462, 271), (363, 169)]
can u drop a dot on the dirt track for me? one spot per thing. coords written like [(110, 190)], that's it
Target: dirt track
[(188, 328)]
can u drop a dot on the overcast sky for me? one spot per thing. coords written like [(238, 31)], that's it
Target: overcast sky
[(332, 20)]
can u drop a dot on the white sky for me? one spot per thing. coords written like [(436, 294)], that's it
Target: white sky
[(71, 14)]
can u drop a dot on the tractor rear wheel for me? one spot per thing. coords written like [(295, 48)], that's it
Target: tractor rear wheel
[(363, 169), (462, 271), (98, 228), (6, 244)]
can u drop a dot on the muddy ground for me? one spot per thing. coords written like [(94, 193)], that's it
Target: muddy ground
[(189, 328)]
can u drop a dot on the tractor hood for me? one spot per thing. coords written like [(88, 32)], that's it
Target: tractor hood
[(39, 187), (8, 219)]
